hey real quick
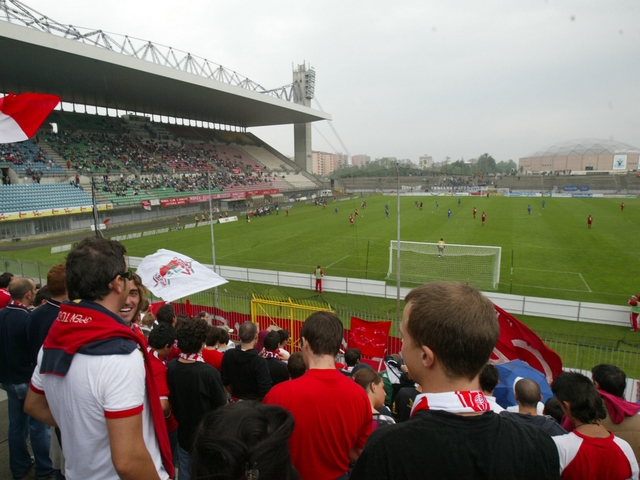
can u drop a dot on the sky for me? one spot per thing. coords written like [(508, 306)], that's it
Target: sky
[(447, 78)]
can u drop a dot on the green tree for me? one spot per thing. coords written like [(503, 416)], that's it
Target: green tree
[(486, 164)]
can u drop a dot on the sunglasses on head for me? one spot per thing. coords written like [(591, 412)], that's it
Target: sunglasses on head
[(128, 274)]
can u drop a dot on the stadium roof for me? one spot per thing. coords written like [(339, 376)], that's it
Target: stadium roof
[(33, 60), (585, 146)]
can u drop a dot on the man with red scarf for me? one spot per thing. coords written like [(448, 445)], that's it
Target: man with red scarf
[(449, 330), (94, 381)]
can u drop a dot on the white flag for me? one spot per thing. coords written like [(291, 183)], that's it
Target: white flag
[(172, 275)]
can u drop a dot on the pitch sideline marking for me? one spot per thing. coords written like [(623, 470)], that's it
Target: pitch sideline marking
[(550, 271), (548, 288), (347, 256), (586, 284)]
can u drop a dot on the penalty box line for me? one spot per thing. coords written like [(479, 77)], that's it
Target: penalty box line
[(337, 261), (561, 272)]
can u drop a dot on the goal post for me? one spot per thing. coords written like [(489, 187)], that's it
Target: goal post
[(422, 262)]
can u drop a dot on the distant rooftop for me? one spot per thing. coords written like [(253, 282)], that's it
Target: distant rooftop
[(585, 146)]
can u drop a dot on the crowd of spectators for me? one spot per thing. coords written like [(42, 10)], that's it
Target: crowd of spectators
[(154, 399), (79, 154), (27, 156)]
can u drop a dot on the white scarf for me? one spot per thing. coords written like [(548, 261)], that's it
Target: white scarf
[(472, 401), (196, 357)]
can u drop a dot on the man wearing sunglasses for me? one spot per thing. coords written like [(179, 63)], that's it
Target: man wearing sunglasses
[(93, 379)]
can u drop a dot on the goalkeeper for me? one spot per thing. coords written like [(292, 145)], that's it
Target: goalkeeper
[(441, 247)]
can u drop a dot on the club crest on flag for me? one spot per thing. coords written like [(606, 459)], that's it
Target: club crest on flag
[(176, 266)]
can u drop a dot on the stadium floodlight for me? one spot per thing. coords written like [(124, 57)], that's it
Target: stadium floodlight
[(422, 262)]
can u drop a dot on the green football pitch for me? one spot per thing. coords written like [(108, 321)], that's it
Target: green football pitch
[(548, 253)]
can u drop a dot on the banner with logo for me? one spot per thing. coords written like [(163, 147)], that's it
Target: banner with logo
[(174, 202), (50, 212), (172, 275), (271, 191), (619, 162)]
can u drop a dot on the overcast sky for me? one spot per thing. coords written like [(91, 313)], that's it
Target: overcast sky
[(453, 78)]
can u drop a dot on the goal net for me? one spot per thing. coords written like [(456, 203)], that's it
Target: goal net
[(425, 262)]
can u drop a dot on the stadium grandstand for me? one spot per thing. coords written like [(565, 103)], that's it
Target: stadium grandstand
[(141, 128), (584, 156)]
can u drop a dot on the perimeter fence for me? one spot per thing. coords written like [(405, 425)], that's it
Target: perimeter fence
[(577, 352)]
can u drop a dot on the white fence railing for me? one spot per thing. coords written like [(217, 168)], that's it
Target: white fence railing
[(517, 304)]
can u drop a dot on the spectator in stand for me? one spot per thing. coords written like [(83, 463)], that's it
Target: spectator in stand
[(95, 367), (245, 373), (295, 366), (130, 311), (195, 388), (277, 368), (167, 314), (323, 397), (5, 296), (373, 385), (351, 357), (527, 393), (16, 368), (210, 352), (40, 320), (42, 295), (404, 399), (622, 417), (489, 379), (553, 408), (449, 331), (161, 340), (284, 340), (590, 451), (225, 342), (244, 441)]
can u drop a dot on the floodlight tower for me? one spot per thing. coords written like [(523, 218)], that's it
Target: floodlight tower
[(304, 84)]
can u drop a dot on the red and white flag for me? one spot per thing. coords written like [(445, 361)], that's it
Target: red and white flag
[(516, 341), (21, 115)]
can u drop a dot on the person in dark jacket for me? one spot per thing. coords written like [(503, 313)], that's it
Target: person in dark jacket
[(245, 373), (277, 368)]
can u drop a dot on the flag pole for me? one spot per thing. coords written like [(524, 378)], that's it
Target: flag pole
[(398, 318), (95, 208), (213, 242)]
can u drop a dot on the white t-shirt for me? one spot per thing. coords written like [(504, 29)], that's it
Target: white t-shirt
[(97, 387)]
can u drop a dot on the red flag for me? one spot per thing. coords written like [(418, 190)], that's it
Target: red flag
[(189, 309), (22, 115), (516, 341), (369, 337), (155, 306)]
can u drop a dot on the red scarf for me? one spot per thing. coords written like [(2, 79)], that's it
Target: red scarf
[(91, 329), (618, 407), (270, 354), (453, 402), (195, 357)]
